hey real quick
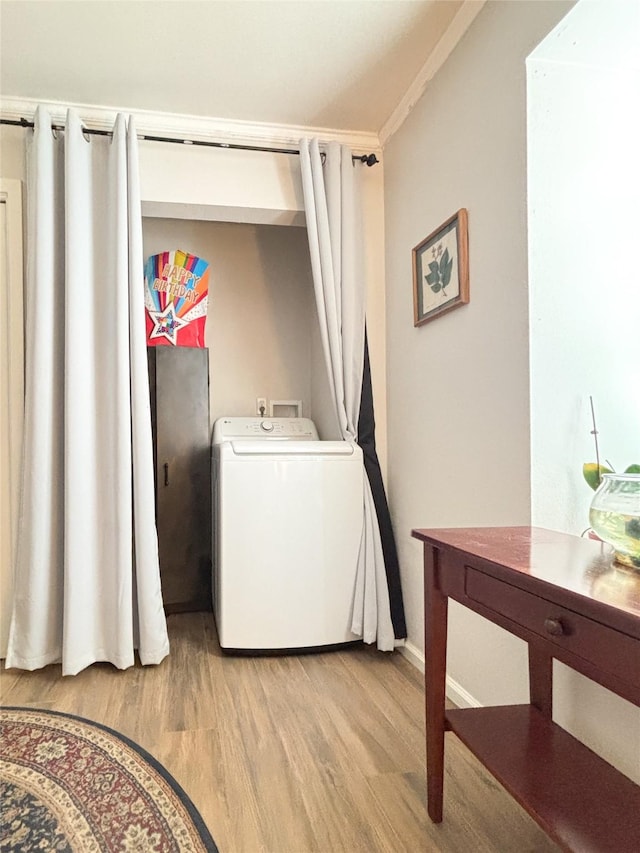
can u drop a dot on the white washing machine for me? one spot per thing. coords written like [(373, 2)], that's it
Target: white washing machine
[(287, 525)]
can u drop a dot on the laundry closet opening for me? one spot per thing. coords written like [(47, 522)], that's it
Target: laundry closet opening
[(244, 214)]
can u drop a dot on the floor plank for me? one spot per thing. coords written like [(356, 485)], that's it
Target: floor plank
[(318, 753)]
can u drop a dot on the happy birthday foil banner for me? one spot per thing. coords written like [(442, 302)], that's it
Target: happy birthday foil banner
[(176, 294)]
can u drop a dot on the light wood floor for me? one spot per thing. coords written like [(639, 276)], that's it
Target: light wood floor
[(294, 754)]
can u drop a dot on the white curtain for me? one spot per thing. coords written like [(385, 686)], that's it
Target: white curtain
[(87, 583), (332, 207)]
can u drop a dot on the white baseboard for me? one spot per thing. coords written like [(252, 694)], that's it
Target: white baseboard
[(455, 691), (460, 697), (413, 655)]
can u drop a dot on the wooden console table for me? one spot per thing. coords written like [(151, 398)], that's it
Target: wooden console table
[(561, 595)]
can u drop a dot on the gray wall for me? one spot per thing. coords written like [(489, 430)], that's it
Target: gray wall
[(458, 387)]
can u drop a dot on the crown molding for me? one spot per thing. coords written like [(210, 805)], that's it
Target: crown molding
[(199, 128), (463, 19)]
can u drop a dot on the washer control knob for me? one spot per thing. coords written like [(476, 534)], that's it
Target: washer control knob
[(267, 426)]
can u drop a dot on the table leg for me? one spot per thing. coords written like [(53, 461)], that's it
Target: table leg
[(541, 680), (435, 653)]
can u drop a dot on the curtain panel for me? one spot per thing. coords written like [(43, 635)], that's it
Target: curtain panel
[(87, 581), (333, 213)]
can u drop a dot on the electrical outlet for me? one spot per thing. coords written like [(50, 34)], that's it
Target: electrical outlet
[(261, 407)]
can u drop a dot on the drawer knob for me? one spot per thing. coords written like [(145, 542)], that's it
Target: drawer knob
[(553, 627)]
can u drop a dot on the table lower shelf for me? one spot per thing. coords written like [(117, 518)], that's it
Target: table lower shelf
[(579, 799)]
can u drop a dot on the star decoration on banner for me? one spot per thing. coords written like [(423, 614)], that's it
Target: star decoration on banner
[(166, 324)]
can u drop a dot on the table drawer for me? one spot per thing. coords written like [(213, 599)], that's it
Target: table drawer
[(611, 650)]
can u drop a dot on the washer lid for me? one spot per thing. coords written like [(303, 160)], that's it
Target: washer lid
[(299, 429), (343, 449)]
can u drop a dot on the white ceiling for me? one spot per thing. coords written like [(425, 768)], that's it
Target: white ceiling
[(342, 64)]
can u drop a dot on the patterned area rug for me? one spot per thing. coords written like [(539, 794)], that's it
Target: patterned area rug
[(67, 784)]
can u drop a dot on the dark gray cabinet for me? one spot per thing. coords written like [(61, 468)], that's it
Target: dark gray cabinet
[(179, 388)]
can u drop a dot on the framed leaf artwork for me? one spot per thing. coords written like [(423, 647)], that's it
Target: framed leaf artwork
[(441, 270)]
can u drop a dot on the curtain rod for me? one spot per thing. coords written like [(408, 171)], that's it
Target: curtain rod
[(369, 159)]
